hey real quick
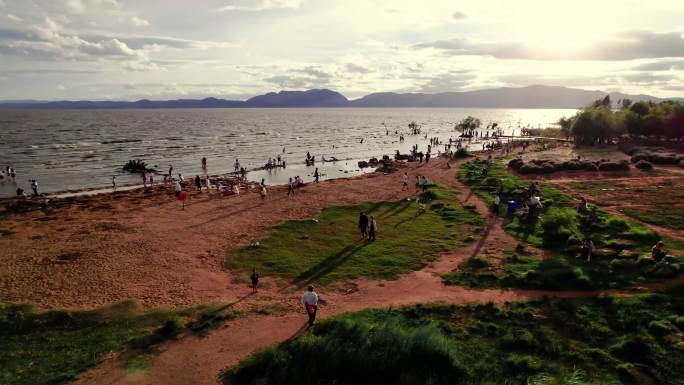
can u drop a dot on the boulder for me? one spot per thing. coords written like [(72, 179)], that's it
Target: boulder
[(644, 165)]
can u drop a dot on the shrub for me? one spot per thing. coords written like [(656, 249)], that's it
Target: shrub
[(530, 168), (558, 274), (613, 166), (661, 328), (589, 166), (644, 165), (477, 263), (559, 224), (516, 163), (462, 153)]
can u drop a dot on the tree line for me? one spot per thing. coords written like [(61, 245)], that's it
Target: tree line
[(601, 123)]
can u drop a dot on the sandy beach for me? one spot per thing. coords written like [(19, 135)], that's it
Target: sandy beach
[(93, 250)]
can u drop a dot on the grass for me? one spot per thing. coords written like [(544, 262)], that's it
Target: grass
[(328, 248), (602, 340), (54, 346), (560, 229), (668, 216)]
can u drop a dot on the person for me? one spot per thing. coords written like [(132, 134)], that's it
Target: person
[(243, 173), (587, 249), (236, 188), (535, 203), (144, 177), (310, 302), (583, 206), (425, 183), (114, 182), (180, 178), (263, 183), (372, 228), (179, 188), (316, 175), (170, 171), (255, 280), (524, 211), (20, 193), (34, 186), (404, 182), (363, 224), (495, 206), (427, 157), (198, 183), (417, 182), (204, 163), (290, 188), (237, 165), (263, 192), (658, 252)]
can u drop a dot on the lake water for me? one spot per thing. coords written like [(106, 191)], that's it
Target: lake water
[(74, 149)]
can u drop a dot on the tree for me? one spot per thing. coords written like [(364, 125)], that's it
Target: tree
[(640, 108), (605, 102), (565, 125), (626, 103), (469, 123)]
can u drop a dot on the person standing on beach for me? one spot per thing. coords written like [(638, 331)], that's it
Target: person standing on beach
[(310, 302), (144, 176), (425, 183), (179, 188), (237, 165), (262, 192), (34, 186), (404, 182), (170, 171), (255, 280), (363, 225), (204, 163), (372, 228), (290, 188), (316, 175), (198, 183)]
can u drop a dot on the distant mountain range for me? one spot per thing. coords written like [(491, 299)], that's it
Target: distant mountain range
[(524, 97)]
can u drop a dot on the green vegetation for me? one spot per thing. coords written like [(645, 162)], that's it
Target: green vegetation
[(328, 248), (601, 340), (599, 123), (669, 216), (617, 260), (54, 346)]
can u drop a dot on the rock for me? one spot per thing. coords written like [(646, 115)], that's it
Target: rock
[(363, 164)]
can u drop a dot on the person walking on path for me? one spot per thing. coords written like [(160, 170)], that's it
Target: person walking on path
[(404, 182), (316, 174), (372, 228), (495, 206), (363, 225), (310, 302), (255, 281)]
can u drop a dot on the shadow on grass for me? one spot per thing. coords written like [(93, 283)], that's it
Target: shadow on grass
[(327, 265), (398, 209)]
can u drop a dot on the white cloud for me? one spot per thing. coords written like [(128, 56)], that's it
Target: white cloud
[(263, 5), (14, 18), (75, 6), (138, 22), (458, 15)]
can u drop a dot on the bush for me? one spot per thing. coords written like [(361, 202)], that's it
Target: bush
[(614, 166), (516, 163), (589, 166), (462, 153), (559, 224), (644, 165), (530, 168), (477, 263)]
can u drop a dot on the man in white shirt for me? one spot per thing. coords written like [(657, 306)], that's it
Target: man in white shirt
[(497, 203), (310, 301)]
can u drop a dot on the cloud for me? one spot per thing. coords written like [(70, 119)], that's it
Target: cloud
[(263, 5), (75, 6), (138, 22), (627, 45), (14, 18), (446, 82), (661, 65), (458, 15), (351, 67), (2, 3), (142, 66)]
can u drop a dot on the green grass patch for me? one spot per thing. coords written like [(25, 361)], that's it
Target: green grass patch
[(328, 249), (53, 347), (668, 216), (559, 227), (548, 341)]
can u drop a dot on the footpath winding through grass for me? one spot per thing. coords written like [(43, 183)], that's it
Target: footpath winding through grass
[(328, 248), (601, 340), (618, 260)]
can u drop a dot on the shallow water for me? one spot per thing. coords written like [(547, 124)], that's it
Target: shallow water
[(75, 149)]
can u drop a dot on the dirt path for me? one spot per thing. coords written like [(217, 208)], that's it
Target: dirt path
[(199, 360)]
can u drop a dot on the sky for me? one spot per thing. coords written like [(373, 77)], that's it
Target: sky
[(235, 49)]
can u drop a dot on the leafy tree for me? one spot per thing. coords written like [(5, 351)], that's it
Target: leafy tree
[(469, 123)]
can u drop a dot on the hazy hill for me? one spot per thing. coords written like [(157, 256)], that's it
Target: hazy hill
[(524, 97)]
